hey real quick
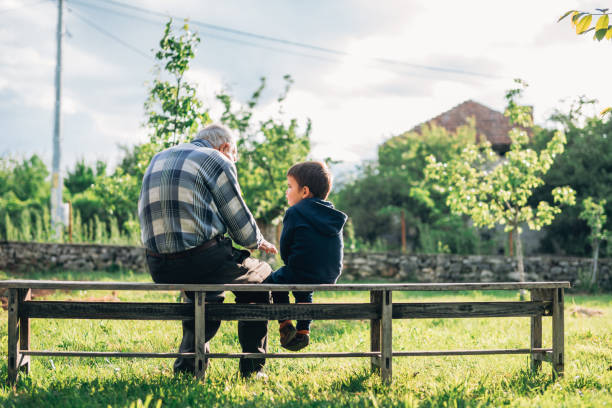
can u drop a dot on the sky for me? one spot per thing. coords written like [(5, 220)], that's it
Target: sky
[(369, 70)]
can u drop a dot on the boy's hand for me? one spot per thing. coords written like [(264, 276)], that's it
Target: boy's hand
[(267, 247)]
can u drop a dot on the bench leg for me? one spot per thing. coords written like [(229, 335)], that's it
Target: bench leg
[(558, 358), (13, 336), (200, 334), (375, 298), (386, 369), (536, 333), (24, 332)]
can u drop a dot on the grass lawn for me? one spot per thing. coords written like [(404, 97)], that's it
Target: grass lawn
[(418, 381)]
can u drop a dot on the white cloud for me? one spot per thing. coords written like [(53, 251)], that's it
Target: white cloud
[(354, 103)]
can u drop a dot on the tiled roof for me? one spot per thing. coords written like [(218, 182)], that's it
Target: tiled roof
[(490, 123)]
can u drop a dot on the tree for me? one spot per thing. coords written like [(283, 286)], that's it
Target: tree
[(174, 114), (401, 161), (24, 195), (586, 165), (595, 216), (83, 176), (173, 109), (395, 186), (267, 150), (498, 193)]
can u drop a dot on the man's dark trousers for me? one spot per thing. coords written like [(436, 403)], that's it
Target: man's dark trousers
[(220, 263)]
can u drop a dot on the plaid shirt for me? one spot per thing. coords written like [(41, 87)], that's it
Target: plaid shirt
[(189, 195)]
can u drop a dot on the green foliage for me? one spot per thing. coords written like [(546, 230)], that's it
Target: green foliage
[(24, 192), (266, 151), (586, 165), (396, 183), (595, 216), (174, 112), (83, 176), (27, 179), (493, 192)]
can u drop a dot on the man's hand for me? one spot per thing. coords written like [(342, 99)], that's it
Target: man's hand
[(267, 247)]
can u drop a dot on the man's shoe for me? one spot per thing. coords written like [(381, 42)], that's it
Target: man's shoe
[(300, 341), (261, 376), (287, 332)]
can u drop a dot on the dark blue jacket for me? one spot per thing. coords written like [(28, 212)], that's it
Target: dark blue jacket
[(311, 243)]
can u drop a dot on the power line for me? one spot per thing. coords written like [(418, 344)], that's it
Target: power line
[(229, 30), (299, 44), (207, 35), (108, 34), (117, 12)]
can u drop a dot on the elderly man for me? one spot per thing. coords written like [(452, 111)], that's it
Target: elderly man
[(190, 198)]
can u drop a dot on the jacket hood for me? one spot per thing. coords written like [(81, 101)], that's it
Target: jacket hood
[(321, 215)]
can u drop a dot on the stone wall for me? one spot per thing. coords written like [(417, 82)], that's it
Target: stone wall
[(25, 256), (395, 267), (472, 268)]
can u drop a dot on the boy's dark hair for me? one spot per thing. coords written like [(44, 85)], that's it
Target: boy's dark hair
[(314, 175)]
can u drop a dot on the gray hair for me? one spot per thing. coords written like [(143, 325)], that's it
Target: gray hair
[(217, 135)]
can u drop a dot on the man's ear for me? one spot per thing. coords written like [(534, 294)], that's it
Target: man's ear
[(223, 147)]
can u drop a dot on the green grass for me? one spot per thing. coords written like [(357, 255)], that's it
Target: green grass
[(418, 381)]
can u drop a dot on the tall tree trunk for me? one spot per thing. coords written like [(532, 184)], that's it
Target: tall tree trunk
[(403, 218), (520, 265), (595, 257)]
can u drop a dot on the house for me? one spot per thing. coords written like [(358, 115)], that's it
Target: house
[(489, 123)]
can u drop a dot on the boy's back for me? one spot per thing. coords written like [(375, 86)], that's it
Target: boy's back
[(311, 242)]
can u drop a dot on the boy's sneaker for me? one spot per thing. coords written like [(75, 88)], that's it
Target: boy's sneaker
[(301, 340), (287, 332)]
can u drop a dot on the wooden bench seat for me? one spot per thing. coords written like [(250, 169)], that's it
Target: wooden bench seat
[(546, 300)]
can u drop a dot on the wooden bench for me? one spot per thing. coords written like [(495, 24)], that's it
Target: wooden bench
[(546, 300)]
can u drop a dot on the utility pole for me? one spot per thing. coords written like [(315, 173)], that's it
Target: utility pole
[(57, 210)]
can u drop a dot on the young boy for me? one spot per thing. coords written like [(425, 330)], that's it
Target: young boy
[(310, 244)]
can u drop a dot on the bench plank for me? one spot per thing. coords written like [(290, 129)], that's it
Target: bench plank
[(89, 285), (470, 309), (316, 311), (184, 311), (128, 354), (424, 353)]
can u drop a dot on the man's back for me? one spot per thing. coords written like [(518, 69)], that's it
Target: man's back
[(189, 195)]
